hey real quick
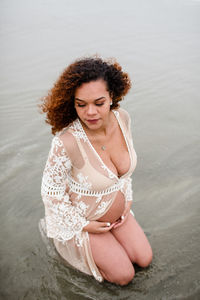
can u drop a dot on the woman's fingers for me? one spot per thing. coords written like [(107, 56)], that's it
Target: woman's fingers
[(106, 226), (122, 220), (117, 225), (100, 227)]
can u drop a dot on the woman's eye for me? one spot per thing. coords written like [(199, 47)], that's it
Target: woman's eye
[(83, 105)]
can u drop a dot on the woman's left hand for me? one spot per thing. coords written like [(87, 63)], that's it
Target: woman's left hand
[(124, 216)]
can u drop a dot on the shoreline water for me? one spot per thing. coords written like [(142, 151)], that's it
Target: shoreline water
[(158, 44)]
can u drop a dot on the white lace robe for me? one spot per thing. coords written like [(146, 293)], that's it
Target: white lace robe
[(78, 187)]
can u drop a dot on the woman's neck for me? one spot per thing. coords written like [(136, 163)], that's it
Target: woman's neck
[(104, 131)]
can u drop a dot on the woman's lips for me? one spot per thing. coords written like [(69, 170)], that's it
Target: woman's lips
[(93, 121)]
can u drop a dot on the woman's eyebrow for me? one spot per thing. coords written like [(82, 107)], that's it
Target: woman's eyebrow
[(94, 100)]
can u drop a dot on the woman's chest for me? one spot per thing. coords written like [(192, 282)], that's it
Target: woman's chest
[(114, 152), (118, 161)]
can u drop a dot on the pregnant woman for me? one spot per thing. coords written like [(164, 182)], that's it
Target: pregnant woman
[(86, 185)]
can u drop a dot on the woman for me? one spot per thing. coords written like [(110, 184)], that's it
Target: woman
[(86, 185)]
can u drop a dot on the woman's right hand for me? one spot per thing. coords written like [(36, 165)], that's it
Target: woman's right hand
[(98, 227)]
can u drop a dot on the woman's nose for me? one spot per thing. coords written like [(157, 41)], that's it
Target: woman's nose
[(91, 110)]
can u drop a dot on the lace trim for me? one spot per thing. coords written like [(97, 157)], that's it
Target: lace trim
[(57, 166), (79, 189), (98, 278), (102, 207), (51, 190), (128, 190), (78, 130), (83, 180), (127, 144), (65, 221)]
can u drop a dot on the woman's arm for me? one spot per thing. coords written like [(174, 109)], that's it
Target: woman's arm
[(63, 220)]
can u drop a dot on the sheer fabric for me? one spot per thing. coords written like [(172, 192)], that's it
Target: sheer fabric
[(77, 187)]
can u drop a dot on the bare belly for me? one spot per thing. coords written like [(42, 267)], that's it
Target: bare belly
[(116, 209)]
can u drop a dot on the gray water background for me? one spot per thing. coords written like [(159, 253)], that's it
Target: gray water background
[(158, 43)]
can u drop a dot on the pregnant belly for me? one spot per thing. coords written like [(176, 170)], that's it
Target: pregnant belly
[(116, 209)]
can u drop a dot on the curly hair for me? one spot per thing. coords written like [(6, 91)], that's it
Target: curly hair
[(59, 103)]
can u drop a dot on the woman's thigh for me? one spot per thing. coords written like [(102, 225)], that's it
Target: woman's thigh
[(132, 238), (111, 258)]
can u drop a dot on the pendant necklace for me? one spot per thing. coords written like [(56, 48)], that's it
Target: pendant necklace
[(103, 148)]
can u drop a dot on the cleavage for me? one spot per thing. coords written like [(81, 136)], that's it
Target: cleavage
[(119, 164)]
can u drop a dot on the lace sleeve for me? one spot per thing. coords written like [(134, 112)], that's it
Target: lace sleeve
[(128, 190), (63, 220)]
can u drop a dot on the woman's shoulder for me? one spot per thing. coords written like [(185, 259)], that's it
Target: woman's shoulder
[(124, 115), (68, 139), (123, 112), (62, 145), (65, 134)]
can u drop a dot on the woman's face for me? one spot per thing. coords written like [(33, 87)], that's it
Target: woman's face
[(92, 104)]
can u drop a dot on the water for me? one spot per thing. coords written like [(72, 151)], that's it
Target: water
[(158, 44)]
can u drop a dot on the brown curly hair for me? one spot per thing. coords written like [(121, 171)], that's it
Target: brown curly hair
[(59, 103)]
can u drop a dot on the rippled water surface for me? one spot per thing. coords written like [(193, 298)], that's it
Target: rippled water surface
[(158, 43)]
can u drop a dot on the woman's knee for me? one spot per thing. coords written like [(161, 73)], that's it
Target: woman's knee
[(125, 277), (120, 277), (111, 259), (145, 260)]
